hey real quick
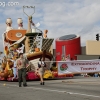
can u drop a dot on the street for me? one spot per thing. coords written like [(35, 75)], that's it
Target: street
[(77, 88)]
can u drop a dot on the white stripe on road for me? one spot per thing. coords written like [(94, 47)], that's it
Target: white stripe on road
[(51, 90), (84, 94), (64, 92), (46, 89)]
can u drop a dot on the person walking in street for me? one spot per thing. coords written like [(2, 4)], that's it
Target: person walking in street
[(21, 65), (41, 65)]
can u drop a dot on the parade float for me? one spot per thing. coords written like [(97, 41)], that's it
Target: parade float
[(33, 43)]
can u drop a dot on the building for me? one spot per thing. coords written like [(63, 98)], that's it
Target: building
[(68, 45)]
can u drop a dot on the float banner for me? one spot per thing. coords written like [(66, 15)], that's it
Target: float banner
[(78, 66)]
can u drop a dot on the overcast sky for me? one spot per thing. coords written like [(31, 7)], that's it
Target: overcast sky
[(60, 17)]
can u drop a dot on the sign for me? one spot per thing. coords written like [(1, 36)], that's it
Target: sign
[(78, 66)]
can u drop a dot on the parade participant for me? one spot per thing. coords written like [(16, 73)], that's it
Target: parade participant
[(45, 34), (1, 69), (63, 58), (21, 49), (8, 23), (4, 60), (41, 65), (20, 23), (21, 65), (67, 58), (14, 69)]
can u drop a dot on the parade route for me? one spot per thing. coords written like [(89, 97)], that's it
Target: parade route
[(87, 88)]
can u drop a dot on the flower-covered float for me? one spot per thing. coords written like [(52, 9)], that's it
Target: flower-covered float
[(33, 43)]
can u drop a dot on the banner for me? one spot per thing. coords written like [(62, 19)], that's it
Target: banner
[(78, 66)]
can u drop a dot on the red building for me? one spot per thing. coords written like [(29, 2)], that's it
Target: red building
[(68, 45)]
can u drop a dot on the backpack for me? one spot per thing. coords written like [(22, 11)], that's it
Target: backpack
[(39, 66)]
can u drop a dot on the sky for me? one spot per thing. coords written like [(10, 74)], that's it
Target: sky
[(59, 17)]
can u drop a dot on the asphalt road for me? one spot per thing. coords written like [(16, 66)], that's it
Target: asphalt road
[(77, 88)]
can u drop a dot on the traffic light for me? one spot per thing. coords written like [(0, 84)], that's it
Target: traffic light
[(97, 37)]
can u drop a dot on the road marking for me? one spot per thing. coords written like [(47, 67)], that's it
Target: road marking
[(84, 94), (46, 89), (51, 90), (64, 92), (81, 82)]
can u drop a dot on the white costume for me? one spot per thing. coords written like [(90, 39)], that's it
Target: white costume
[(21, 49), (9, 23), (20, 23)]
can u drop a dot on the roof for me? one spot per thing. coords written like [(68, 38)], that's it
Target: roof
[(68, 37)]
